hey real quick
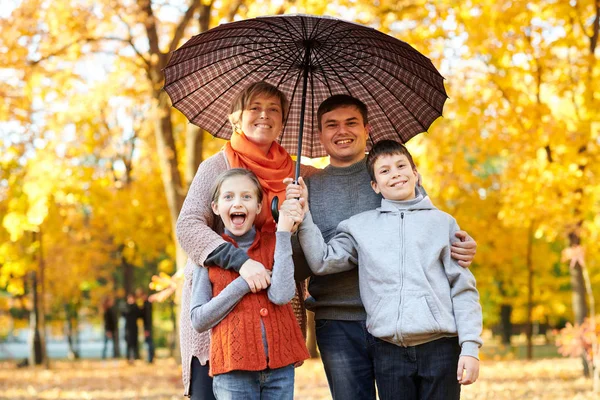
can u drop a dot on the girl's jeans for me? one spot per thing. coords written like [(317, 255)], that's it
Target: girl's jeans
[(268, 384)]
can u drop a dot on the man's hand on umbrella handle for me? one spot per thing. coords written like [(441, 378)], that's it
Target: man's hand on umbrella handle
[(464, 250), (255, 275), (297, 191)]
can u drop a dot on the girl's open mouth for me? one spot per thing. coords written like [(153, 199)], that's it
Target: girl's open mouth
[(238, 218)]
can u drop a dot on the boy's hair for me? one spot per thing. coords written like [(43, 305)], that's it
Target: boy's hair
[(241, 100), (341, 100), (230, 173), (386, 148)]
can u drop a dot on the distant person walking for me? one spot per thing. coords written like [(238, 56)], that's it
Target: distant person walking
[(131, 313), (147, 318), (110, 325)]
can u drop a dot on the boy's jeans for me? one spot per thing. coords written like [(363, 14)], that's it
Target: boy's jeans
[(426, 371), (269, 384)]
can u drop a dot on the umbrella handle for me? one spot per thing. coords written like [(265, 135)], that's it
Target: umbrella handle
[(275, 208)]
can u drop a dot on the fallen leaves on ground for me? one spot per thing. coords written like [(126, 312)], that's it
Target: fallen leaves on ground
[(549, 379)]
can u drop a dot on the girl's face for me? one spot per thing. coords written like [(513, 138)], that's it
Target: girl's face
[(262, 120), (237, 204)]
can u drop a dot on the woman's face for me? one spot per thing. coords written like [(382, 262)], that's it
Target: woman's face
[(262, 120)]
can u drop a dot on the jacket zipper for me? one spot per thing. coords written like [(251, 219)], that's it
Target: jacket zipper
[(402, 261)]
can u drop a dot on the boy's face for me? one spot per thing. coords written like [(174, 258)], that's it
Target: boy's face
[(395, 179), (344, 135)]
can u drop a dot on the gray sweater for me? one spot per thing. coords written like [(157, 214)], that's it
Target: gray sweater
[(336, 194), (412, 289), (207, 311)]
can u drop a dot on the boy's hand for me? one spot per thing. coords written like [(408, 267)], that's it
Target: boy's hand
[(255, 275), (292, 213), (464, 250), (297, 191), (468, 370)]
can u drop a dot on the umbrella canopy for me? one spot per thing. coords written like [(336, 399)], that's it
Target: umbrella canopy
[(309, 58)]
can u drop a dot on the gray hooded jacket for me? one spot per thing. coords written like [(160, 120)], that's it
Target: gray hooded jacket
[(413, 291)]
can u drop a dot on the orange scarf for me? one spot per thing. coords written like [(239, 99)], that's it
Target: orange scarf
[(270, 169)]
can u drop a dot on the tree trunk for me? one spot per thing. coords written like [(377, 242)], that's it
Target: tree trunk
[(194, 142), (506, 323), (530, 292), (580, 308), (38, 354), (72, 331), (128, 277), (311, 339), (37, 341)]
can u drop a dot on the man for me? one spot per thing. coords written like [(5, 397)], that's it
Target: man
[(336, 193), (146, 314)]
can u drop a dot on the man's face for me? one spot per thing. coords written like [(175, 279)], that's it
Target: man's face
[(344, 135)]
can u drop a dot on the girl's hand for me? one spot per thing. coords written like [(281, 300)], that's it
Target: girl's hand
[(297, 191), (290, 215)]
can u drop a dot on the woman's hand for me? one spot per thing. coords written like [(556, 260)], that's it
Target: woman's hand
[(255, 275), (464, 250), (297, 191)]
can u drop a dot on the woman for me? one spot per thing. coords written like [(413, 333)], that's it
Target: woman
[(256, 116)]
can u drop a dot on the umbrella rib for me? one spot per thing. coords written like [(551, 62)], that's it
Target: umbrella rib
[(383, 38), (264, 49), (216, 97), (377, 102), (232, 68), (340, 66), (349, 56)]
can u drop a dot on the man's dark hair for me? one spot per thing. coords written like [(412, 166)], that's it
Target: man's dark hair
[(386, 148), (341, 100)]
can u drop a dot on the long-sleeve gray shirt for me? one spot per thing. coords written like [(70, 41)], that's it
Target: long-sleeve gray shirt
[(207, 311)]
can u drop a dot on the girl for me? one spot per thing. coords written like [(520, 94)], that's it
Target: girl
[(255, 338)]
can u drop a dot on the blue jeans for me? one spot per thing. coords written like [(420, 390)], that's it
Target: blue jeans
[(201, 384), (348, 360), (426, 371), (105, 348), (268, 384)]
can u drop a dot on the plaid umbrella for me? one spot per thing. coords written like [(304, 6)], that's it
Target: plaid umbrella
[(309, 58)]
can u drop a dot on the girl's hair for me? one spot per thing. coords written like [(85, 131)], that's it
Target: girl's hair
[(216, 188), (243, 98)]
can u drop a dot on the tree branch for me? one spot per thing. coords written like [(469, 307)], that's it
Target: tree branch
[(595, 29), (233, 9), (185, 20)]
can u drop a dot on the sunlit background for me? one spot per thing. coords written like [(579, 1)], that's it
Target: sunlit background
[(87, 210)]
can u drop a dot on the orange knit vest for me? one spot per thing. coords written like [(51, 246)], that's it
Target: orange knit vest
[(236, 342)]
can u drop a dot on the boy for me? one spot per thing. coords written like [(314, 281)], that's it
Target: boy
[(417, 298)]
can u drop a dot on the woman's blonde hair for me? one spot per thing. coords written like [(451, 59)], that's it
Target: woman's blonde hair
[(230, 173), (243, 98)]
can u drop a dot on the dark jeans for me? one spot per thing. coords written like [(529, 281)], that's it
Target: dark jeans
[(133, 350), (347, 358), (426, 371), (150, 344), (201, 385)]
